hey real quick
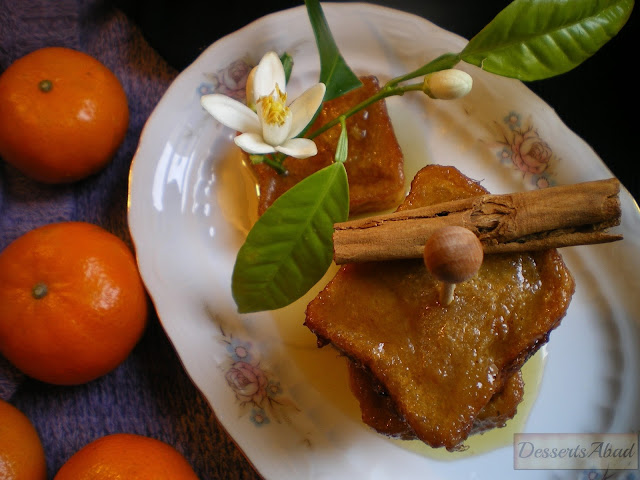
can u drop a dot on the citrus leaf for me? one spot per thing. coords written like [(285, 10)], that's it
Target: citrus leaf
[(287, 64), (334, 71), (290, 247), (342, 148), (533, 40)]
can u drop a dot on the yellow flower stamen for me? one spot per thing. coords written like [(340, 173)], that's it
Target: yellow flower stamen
[(274, 107)]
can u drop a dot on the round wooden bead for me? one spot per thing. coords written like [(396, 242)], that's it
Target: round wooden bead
[(453, 254)]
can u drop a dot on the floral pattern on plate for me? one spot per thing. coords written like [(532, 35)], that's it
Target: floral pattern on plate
[(605, 475), (518, 144), (230, 81), (258, 392)]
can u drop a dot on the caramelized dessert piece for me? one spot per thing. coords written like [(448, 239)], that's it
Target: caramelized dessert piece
[(376, 406), (502, 407), (374, 164), (379, 411), (442, 365)]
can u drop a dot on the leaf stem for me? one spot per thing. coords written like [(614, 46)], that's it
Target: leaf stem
[(443, 62), (388, 90), (276, 163)]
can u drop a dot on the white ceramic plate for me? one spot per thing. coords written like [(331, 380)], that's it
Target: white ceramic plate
[(284, 401)]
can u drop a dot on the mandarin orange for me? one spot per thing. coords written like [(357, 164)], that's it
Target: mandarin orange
[(125, 455), (72, 303), (21, 453), (63, 115)]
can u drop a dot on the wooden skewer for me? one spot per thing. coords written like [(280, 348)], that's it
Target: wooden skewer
[(452, 254)]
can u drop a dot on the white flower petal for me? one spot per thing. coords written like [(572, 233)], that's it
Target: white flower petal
[(271, 127), (251, 100), (231, 113), (253, 143), (305, 107), (269, 73), (275, 134), (298, 148)]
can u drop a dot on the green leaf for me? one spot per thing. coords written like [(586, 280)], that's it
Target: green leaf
[(334, 71), (290, 247), (342, 148), (287, 64), (533, 40)]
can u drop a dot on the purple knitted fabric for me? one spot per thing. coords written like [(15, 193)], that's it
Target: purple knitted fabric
[(150, 393)]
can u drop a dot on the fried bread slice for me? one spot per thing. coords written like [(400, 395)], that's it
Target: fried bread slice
[(375, 163), (442, 365), (379, 411)]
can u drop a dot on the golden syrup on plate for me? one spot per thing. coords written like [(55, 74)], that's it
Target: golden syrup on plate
[(236, 192), (324, 368)]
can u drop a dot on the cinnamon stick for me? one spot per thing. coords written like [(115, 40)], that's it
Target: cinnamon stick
[(553, 217)]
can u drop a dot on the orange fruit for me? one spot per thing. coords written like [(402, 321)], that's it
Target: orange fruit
[(72, 303), (21, 453), (126, 455), (63, 115)]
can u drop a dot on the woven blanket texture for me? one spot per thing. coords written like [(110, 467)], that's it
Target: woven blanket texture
[(150, 393)]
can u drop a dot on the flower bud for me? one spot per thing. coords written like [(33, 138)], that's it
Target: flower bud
[(447, 84)]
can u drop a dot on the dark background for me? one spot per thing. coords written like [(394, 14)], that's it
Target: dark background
[(598, 100)]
